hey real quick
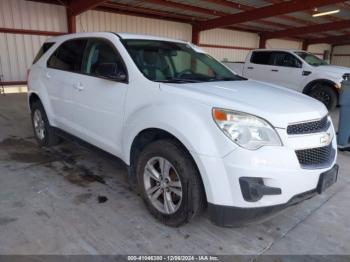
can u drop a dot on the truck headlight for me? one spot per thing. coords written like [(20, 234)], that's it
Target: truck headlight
[(246, 130)]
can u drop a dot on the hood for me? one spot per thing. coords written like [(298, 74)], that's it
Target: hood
[(334, 69), (277, 105)]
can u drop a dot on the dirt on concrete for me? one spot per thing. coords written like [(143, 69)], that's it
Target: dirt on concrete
[(25, 151)]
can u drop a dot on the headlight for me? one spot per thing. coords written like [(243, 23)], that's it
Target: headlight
[(246, 130)]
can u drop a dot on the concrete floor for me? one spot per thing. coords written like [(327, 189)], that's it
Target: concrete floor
[(49, 204)]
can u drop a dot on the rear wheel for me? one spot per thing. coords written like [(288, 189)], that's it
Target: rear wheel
[(169, 182), (43, 132), (325, 94)]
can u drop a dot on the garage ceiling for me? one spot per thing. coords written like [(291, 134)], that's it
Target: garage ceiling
[(269, 18)]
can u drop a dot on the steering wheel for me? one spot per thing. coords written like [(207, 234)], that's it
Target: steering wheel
[(184, 72)]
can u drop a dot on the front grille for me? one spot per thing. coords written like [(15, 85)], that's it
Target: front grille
[(316, 157), (309, 127)]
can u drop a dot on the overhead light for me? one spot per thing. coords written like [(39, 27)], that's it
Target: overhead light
[(326, 13)]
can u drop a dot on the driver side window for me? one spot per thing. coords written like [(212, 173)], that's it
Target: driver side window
[(98, 54), (286, 60)]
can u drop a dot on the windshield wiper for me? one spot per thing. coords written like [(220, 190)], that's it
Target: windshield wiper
[(227, 79), (179, 81)]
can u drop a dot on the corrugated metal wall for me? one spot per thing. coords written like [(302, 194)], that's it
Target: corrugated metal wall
[(319, 48), (235, 41), (281, 43), (17, 54), (31, 15), (103, 21), (341, 55), (17, 51)]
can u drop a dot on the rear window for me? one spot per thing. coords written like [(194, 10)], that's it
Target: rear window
[(68, 56), (42, 51), (262, 58)]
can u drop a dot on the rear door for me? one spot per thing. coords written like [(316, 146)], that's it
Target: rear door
[(259, 66), (99, 100), (62, 72)]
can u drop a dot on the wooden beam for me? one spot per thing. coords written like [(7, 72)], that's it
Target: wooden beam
[(145, 12), (79, 6), (183, 6), (309, 29), (244, 7), (13, 83), (336, 40), (264, 12), (262, 42), (30, 32), (228, 47), (195, 35), (52, 2), (212, 12), (309, 13), (71, 22), (305, 45)]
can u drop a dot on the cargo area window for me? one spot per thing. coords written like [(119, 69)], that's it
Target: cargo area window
[(44, 48)]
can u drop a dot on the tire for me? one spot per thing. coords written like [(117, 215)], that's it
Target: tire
[(181, 171), (325, 94), (43, 132)]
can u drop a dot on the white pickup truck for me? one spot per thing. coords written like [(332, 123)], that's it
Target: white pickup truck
[(294, 69)]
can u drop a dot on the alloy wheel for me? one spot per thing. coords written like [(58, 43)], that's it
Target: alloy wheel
[(39, 124), (162, 185)]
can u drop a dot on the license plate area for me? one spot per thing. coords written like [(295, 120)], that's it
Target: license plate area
[(327, 179)]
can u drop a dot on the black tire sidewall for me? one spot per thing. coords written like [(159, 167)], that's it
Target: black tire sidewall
[(191, 188), (330, 92), (49, 135)]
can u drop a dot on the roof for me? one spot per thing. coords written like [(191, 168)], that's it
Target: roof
[(269, 18), (279, 49), (121, 35)]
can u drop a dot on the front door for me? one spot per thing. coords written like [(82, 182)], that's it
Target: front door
[(99, 100), (286, 71)]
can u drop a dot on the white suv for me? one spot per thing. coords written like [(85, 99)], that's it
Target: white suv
[(192, 132)]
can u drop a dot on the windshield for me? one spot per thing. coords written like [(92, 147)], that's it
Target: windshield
[(163, 61), (311, 59)]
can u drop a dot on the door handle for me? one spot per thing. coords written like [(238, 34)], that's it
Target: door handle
[(48, 76), (274, 70), (78, 86), (250, 67)]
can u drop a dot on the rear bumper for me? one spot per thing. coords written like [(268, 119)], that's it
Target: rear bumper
[(229, 216)]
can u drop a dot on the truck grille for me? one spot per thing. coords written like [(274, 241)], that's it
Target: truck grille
[(316, 157), (309, 127)]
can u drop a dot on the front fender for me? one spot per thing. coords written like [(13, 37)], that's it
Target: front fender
[(192, 125), (310, 83)]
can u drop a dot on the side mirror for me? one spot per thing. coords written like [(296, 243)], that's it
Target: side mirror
[(111, 71)]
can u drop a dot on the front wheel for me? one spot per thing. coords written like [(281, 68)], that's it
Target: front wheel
[(325, 94), (169, 182)]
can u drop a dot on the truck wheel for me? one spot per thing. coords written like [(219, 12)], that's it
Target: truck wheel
[(327, 95), (169, 182), (43, 132)]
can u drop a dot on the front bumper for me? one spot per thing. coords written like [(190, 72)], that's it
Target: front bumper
[(276, 173), (228, 216), (277, 166)]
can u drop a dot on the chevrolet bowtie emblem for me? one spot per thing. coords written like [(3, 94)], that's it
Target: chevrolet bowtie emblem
[(325, 139)]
